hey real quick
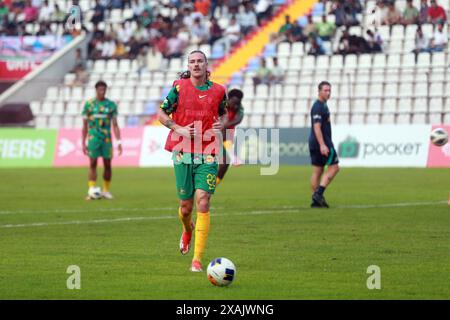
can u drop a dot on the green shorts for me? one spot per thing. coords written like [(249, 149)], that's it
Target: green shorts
[(98, 148), (194, 171)]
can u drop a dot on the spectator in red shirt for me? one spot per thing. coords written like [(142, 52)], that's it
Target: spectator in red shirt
[(436, 14), (31, 13), (202, 6)]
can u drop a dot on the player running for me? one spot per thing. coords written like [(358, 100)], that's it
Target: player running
[(321, 147), (196, 105), (98, 115), (235, 114)]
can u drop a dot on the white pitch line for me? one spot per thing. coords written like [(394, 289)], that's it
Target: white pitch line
[(285, 209), (6, 212)]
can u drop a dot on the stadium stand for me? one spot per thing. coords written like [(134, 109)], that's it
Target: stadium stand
[(390, 76)]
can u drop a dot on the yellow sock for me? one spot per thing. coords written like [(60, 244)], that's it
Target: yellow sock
[(106, 185), (201, 234), (91, 183), (185, 220), (218, 181)]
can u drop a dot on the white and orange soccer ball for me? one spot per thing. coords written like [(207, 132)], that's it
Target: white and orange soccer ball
[(221, 272)]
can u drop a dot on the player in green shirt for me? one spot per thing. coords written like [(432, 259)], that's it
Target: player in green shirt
[(98, 115)]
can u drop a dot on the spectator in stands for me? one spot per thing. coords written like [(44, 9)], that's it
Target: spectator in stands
[(410, 14), (175, 46), (215, 32), (352, 44), (138, 7), (58, 16), (423, 12), (310, 27), (199, 32), (46, 12), (120, 52), (44, 29), (270, 49), (108, 47), (134, 48), (376, 16), (345, 14), (436, 14), (124, 32), (4, 11), (116, 4), (439, 40), (99, 13), (160, 44), (374, 41), (286, 27), (231, 35), (277, 73), (325, 29), (187, 4), (297, 34), (316, 47), (202, 6), (145, 19), (262, 76), (393, 15), (31, 13), (421, 42), (247, 19)]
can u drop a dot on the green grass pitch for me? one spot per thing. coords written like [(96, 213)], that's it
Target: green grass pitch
[(127, 248)]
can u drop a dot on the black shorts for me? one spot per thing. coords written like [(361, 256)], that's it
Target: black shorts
[(317, 159)]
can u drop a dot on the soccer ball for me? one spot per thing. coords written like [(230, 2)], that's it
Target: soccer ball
[(221, 272), (95, 193), (439, 137)]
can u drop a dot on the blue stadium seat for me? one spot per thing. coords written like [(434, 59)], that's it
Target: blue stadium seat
[(133, 121), (237, 79), (270, 50), (253, 64), (150, 108), (217, 52)]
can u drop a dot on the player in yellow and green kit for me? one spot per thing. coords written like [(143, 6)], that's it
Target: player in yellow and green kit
[(99, 114)]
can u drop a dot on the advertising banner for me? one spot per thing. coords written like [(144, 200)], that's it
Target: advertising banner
[(253, 145), (382, 146), (153, 153), (69, 152), (27, 147), (439, 156)]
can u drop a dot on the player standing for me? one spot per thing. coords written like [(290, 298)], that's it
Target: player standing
[(321, 147), (98, 115), (194, 102), (235, 114)]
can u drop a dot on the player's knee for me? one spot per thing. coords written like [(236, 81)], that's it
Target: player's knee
[(186, 208), (203, 203)]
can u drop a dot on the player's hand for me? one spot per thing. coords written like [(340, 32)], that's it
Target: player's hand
[(324, 150), (84, 147), (187, 131), (119, 147)]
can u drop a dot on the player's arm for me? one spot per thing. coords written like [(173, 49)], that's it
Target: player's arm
[(220, 122), (84, 130), (317, 127), (116, 130), (238, 118), (169, 106)]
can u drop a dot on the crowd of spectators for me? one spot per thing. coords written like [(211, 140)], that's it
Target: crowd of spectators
[(348, 13)]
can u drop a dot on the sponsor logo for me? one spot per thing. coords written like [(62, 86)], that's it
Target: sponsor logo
[(22, 148), (65, 147), (349, 148), (201, 97)]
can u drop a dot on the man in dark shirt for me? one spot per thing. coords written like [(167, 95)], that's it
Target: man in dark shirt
[(321, 147)]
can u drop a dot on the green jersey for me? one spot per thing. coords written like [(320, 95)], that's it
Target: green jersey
[(99, 115)]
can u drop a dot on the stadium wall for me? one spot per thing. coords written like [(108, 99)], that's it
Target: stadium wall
[(357, 146)]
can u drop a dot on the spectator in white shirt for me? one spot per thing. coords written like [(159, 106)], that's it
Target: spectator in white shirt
[(439, 40), (247, 19), (421, 42), (108, 47), (199, 31), (46, 12), (231, 35), (125, 32)]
